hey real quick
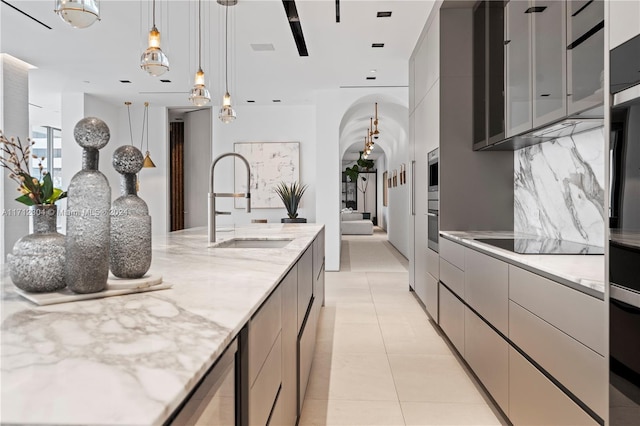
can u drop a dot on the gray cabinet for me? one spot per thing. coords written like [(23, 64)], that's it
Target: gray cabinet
[(518, 102), (288, 398), (535, 400), (306, 348), (626, 16), (549, 61), (305, 284), (585, 58), (451, 317)]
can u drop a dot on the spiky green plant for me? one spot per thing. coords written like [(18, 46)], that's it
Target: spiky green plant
[(290, 194)]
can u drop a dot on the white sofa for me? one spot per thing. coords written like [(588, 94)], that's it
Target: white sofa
[(352, 223)]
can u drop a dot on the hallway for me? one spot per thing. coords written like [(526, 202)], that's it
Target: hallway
[(379, 361)]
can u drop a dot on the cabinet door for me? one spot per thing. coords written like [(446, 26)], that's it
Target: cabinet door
[(305, 284), (451, 314), (518, 67), (549, 61), (495, 71), (479, 76), (625, 18), (288, 398), (431, 297), (585, 54)]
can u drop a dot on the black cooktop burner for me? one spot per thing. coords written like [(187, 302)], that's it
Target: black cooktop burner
[(541, 246)]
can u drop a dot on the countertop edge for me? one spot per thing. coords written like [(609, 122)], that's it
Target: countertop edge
[(494, 252)]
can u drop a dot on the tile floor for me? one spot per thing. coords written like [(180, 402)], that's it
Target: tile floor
[(379, 360)]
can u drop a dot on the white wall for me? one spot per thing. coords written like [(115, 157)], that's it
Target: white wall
[(383, 211), (282, 123), (197, 161)]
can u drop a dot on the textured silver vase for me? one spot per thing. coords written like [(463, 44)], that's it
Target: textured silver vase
[(130, 252), (37, 262), (88, 215)]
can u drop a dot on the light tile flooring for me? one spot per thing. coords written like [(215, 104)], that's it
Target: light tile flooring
[(379, 360)]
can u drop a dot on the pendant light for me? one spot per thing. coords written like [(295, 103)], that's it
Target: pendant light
[(199, 94), (147, 163), (78, 13), (376, 132), (227, 113), (153, 60)]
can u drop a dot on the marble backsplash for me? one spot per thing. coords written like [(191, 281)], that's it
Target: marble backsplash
[(559, 188)]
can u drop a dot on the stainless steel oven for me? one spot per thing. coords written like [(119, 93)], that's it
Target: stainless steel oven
[(433, 158), (433, 202), (432, 225)]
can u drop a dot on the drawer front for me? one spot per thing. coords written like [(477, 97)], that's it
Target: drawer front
[(452, 252), (306, 350), (433, 263), (264, 328), (580, 369), (263, 393), (575, 313), (451, 316), (452, 277), (318, 288), (486, 288), (534, 400), (305, 284), (318, 254), (488, 355)]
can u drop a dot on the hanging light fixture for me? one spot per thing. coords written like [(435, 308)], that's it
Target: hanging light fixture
[(147, 163), (153, 60), (227, 113), (78, 13), (199, 94), (376, 132)]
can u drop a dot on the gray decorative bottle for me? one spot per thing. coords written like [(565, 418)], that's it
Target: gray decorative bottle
[(88, 218), (130, 252)]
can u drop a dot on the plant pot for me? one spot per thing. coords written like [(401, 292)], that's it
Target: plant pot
[(37, 262), (295, 220)]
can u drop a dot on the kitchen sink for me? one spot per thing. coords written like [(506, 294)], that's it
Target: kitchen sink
[(260, 243)]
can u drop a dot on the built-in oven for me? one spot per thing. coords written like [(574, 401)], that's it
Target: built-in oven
[(433, 202), (624, 239)]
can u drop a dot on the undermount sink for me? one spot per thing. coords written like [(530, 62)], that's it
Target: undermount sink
[(240, 242)]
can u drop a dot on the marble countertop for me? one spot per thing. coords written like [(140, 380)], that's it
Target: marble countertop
[(131, 360), (584, 273)]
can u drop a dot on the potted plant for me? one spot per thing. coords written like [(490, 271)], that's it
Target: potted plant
[(37, 262), (291, 194), (362, 183)]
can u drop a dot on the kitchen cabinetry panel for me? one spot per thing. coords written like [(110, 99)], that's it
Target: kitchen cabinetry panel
[(306, 350), (488, 355), (575, 313), (433, 263), (578, 368), (535, 400), (549, 62), (264, 327), (452, 253), (288, 398), (624, 16), (305, 284), (518, 68), (451, 316), (486, 288), (263, 393), (431, 297), (452, 277)]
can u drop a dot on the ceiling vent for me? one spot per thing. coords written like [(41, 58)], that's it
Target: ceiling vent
[(384, 14), (262, 47), (377, 45), (371, 78), (251, 101), (165, 81)]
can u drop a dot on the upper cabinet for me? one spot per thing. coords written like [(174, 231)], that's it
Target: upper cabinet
[(626, 15), (585, 59), (517, 47)]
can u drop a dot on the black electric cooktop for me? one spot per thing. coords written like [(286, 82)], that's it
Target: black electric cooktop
[(541, 246)]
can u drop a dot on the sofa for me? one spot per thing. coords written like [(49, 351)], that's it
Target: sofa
[(352, 223)]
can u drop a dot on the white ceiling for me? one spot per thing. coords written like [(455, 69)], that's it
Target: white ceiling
[(93, 60)]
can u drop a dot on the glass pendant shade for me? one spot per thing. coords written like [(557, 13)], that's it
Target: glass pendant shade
[(78, 13), (153, 60), (199, 94), (227, 113)]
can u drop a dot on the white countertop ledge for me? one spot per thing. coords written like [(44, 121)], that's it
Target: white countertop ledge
[(584, 273), (131, 360)]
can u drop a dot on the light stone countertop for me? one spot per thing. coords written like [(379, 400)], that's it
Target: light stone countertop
[(584, 273), (131, 360)]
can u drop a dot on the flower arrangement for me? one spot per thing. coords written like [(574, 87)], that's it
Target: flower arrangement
[(291, 194), (15, 158)]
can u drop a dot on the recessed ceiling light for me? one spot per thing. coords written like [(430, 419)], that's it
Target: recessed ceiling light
[(277, 100), (263, 47), (384, 14), (165, 81), (377, 45), (373, 71), (371, 78), (125, 81), (251, 101)]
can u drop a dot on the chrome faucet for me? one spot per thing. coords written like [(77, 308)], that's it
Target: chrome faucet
[(212, 195)]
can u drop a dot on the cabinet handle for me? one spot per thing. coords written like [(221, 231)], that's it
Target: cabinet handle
[(413, 188)]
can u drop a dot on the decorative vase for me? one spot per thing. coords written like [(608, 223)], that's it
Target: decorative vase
[(37, 262), (88, 219), (130, 251), (293, 220)]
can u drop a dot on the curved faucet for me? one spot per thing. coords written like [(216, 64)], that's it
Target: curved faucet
[(212, 195)]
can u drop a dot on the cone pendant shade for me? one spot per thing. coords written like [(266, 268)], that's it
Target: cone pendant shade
[(148, 163)]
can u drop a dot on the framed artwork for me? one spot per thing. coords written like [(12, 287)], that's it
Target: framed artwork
[(270, 163), (385, 188), (395, 178), (402, 174)]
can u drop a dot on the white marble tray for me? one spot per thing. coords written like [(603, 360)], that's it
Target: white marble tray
[(115, 287)]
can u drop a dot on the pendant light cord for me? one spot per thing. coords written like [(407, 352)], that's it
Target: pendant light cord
[(146, 113), (199, 35), (128, 104), (154, 13), (226, 47), (145, 120)]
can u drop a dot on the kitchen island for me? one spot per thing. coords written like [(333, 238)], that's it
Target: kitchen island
[(134, 359)]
